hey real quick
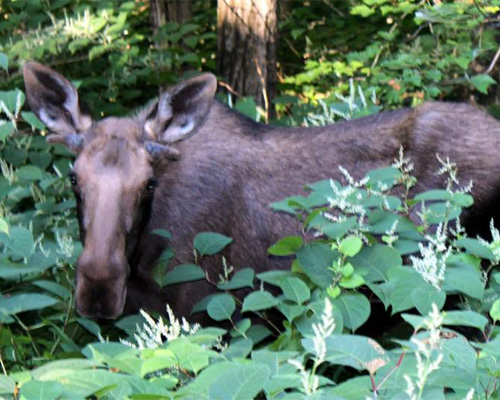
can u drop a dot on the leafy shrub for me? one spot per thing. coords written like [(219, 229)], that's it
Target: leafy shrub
[(330, 340)]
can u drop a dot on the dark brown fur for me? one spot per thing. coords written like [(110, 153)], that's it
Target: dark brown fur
[(231, 169)]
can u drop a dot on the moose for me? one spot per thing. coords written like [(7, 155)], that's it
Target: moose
[(187, 163)]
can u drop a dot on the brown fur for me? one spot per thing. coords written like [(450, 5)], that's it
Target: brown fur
[(230, 170)]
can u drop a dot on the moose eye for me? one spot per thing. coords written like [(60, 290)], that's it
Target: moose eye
[(73, 179), (150, 186)]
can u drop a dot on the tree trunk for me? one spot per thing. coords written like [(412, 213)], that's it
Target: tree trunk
[(169, 10), (246, 48)]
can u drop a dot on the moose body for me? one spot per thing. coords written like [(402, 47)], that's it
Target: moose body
[(212, 169)]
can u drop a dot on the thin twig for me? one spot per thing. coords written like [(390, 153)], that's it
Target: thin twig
[(493, 62), (400, 360), (479, 9), (264, 89), (2, 364), (229, 88)]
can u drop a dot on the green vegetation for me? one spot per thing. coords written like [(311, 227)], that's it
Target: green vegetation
[(336, 341)]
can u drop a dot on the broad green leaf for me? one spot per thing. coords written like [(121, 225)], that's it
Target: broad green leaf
[(295, 290), (291, 311), (184, 273), (423, 298), (158, 360), (248, 107), (359, 352), (30, 173), (4, 226), (4, 61), (352, 281), (13, 100), (350, 246), (482, 82), (465, 318), (7, 385), (459, 355), (41, 390), (20, 241), (210, 243), (260, 300), (54, 288), (316, 260), (31, 119), (50, 370), (241, 327), (355, 309), (475, 247), (190, 356), (286, 246), (242, 382), (464, 278), (163, 233), (373, 262), (238, 349), (495, 310), (221, 307), (24, 302), (241, 279)]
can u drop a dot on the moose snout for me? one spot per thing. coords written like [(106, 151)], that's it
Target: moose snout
[(100, 298)]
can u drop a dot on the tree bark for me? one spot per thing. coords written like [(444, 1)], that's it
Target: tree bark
[(246, 48), (169, 10)]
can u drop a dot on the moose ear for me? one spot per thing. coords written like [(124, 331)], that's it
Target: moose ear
[(182, 109), (54, 100)]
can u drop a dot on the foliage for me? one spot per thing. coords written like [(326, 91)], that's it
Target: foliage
[(407, 51), (375, 305)]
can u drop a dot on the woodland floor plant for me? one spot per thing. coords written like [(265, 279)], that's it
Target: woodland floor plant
[(376, 306)]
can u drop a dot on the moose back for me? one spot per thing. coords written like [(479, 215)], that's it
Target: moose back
[(189, 164)]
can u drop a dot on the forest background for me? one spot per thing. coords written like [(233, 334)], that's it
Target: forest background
[(380, 307)]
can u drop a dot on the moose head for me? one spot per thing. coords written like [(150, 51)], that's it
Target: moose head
[(113, 177)]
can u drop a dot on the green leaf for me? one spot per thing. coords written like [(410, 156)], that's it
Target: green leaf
[(354, 351), (352, 281), (4, 226), (465, 318), (241, 382), (373, 262), (24, 302), (96, 24), (295, 290), (355, 309), (495, 310), (241, 279), (41, 390), (163, 233), (464, 278), (184, 273), (475, 247), (30, 173), (210, 243), (424, 296), (286, 246), (482, 82), (4, 61), (260, 300), (350, 246), (7, 385), (248, 107), (13, 100), (31, 119), (20, 241), (316, 260), (221, 307), (159, 359)]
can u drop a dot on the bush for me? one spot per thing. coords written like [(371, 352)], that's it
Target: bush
[(376, 306)]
